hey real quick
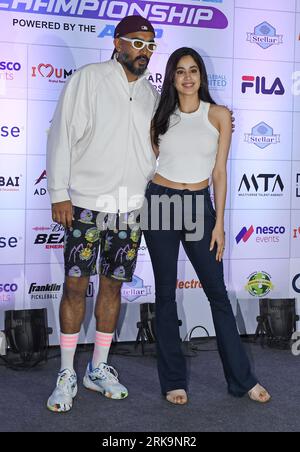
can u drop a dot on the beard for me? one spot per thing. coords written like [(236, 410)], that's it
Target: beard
[(124, 58)]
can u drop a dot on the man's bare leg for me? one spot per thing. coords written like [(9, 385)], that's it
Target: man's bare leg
[(72, 307), (108, 305)]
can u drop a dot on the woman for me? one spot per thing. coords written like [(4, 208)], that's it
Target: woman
[(192, 136)]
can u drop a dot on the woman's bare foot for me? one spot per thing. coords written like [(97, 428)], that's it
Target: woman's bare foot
[(178, 397), (259, 394)]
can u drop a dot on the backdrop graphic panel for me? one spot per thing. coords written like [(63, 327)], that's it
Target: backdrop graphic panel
[(252, 54)]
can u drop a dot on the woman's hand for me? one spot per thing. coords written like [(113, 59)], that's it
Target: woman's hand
[(218, 238)]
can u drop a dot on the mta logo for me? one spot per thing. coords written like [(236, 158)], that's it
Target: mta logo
[(266, 178), (265, 36), (260, 85), (262, 135), (244, 235)]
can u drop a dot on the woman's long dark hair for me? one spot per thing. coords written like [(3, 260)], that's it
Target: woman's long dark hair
[(169, 100)]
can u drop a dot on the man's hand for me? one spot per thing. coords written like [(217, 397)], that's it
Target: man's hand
[(62, 213), (232, 120)]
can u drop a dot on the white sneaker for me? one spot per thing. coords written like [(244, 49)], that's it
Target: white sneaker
[(62, 397), (104, 379)]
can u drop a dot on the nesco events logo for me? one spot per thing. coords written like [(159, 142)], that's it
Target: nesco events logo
[(7, 290), (264, 234), (8, 69), (158, 13)]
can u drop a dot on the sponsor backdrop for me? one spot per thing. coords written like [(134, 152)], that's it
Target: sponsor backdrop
[(253, 59)]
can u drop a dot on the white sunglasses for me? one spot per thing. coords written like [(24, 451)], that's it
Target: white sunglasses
[(139, 44)]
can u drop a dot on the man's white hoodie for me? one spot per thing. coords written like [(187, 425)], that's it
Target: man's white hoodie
[(99, 141)]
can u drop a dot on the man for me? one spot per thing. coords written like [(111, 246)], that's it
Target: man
[(100, 141)]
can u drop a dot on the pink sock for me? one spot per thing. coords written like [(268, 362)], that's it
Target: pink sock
[(102, 346), (68, 345)]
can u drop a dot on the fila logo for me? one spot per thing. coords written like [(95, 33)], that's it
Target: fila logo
[(259, 83)]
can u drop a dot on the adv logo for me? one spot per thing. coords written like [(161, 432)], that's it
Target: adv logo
[(40, 191), (259, 84)]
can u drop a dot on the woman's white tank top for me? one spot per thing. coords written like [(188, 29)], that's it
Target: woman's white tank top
[(189, 148)]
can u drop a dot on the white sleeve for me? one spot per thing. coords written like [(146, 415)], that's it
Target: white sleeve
[(68, 126)]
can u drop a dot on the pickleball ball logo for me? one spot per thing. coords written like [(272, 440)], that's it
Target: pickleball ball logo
[(259, 284)]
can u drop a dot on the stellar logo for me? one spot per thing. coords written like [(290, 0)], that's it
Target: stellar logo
[(50, 237), (40, 191), (262, 135), (264, 234), (265, 36), (261, 185), (260, 85), (54, 74), (10, 184), (135, 290)]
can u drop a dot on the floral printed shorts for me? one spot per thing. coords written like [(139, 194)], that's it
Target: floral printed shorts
[(102, 243)]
